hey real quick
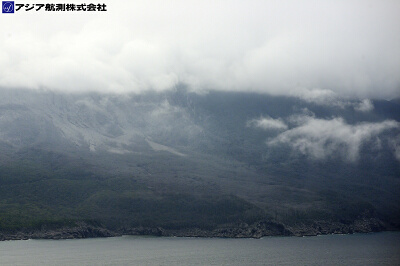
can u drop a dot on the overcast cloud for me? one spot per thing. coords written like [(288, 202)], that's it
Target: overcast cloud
[(347, 48)]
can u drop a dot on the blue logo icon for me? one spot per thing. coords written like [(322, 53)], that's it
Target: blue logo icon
[(8, 7)]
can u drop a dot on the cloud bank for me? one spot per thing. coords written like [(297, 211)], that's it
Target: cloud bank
[(351, 48), (321, 138)]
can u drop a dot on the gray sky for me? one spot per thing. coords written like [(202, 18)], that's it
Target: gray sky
[(346, 48)]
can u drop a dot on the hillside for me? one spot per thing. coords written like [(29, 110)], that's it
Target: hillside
[(181, 163)]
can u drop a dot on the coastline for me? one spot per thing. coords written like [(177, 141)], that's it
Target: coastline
[(243, 230)]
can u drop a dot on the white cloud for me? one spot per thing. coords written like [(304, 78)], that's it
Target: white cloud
[(330, 98), (318, 96), (268, 123), (320, 138), (365, 106), (395, 143), (347, 47)]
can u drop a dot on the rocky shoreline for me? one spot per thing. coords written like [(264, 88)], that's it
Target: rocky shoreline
[(81, 230), (243, 230)]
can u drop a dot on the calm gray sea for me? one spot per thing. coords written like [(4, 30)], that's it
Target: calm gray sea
[(358, 249)]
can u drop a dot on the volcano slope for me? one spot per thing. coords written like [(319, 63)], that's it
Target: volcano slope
[(180, 163)]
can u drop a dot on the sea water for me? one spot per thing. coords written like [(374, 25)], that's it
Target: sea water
[(357, 249)]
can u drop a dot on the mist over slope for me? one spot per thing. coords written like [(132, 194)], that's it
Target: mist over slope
[(177, 159)]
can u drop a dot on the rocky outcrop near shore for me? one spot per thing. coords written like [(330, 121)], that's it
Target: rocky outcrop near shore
[(242, 230), (269, 228), (81, 230), (364, 225)]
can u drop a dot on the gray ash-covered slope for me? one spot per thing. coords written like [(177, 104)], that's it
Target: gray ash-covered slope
[(217, 162)]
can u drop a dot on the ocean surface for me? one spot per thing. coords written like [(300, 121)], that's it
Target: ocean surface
[(357, 249)]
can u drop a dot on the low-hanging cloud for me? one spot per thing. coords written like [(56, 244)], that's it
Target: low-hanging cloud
[(395, 145), (318, 96), (325, 97), (268, 123), (348, 47), (324, 138), (365, 106)]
